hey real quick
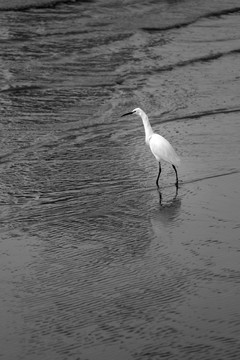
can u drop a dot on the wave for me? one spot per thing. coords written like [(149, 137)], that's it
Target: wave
[(204, 58), (170, 67), (24, 5), (18, 88), (230, 172), (18, 5), (203, 114), (186, 23)]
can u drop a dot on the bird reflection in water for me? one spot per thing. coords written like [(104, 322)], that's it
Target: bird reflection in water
[(167, 213), (169, 206)]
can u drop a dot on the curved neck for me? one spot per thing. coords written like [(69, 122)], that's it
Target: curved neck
[(147, 127)]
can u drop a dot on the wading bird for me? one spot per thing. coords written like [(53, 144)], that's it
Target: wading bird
[(160, 147)]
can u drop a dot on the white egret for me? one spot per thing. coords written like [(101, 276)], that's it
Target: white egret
[(160, 147)]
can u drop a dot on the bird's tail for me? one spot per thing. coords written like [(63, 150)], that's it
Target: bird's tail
[(177, 160)]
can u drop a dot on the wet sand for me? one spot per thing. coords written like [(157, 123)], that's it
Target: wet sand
[(94, 266)]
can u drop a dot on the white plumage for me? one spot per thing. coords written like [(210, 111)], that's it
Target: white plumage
[(160, 147), (163, 150)]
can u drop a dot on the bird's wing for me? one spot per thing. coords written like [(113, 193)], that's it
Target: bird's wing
[(163, 150)]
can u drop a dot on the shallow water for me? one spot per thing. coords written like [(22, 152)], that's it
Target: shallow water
[(95, 262)]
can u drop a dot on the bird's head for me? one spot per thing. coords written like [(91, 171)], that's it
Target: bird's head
[(137, 111)]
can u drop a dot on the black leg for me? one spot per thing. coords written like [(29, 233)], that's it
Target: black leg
[(176, 175), (176, 193), (159, 172), (160, 197)]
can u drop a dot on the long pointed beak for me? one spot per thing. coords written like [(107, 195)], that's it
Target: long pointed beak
[(129, 113)]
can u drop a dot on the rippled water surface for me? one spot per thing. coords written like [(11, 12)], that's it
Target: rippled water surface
[(96, 263)]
